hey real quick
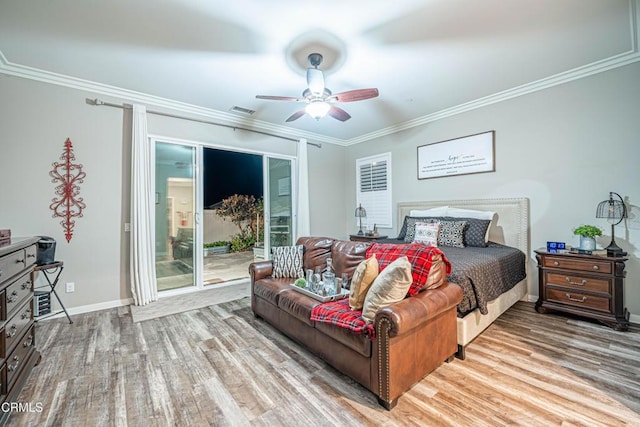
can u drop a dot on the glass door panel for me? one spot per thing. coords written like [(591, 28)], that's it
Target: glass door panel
[(280, 202), (175, 215)]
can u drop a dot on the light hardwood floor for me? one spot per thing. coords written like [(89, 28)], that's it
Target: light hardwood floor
[(220, 366)]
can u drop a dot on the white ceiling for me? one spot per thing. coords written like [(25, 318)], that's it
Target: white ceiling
[(428, 58)]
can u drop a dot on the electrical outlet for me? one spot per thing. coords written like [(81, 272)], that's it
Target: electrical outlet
[(70, 287), (127, 227)]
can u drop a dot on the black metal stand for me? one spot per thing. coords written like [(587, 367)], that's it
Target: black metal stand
[(49, 270)]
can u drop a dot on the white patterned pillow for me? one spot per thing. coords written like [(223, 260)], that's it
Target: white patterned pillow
[(426, 233), (452, 233), (287, 261)]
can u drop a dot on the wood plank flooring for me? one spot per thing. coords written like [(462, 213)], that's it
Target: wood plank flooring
[(220, 366)]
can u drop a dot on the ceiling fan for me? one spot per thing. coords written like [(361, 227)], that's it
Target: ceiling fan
[(319, 98)]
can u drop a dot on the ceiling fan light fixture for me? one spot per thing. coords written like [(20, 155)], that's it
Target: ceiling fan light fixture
[(317, 109)]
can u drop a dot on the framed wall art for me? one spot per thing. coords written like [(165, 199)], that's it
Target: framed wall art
[(459, 156)]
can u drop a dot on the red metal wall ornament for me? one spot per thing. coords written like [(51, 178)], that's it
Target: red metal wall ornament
[(69, 205)]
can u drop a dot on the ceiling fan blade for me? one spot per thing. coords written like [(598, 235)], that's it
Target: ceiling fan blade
[(279, 98), (315, 81), (354, 95), (339, 114), (296, 116)]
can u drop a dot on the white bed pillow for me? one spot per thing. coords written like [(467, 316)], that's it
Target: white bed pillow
[(469, 213), (439, 211)]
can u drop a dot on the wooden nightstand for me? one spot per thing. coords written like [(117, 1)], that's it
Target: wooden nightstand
[(585, 285), (363, 238)]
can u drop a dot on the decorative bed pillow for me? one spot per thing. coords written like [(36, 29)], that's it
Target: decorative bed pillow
[(409, 226), (389, 287), (287, 261), (420, 257), (452, 233), (426, 233), (476, 231), (363, 277), (468, 214)]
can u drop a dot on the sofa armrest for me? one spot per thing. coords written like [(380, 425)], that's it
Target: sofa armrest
[(260, 270), (417, 310)]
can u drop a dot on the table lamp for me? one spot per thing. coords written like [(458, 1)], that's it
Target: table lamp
[(614, 211), (360, 213)]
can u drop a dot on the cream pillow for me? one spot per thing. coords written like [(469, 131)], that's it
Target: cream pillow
[(363, 277), (390, 286)]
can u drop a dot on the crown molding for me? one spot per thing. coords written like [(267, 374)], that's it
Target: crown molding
[(535, 86), (620, 60), (31, 73)]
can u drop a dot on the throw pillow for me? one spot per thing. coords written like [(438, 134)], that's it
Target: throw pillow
[(476, 231), (427, 233), (452, 233), (287, 261), (363, 277), (390, 286), (409, 227)]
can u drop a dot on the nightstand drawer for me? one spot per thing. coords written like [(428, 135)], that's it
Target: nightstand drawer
[(577, 299), (592, 266), (579, 283)]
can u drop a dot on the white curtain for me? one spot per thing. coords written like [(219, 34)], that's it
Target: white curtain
[(143, 271), (303, 226)]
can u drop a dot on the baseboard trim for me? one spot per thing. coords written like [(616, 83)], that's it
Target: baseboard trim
[(92, 307)]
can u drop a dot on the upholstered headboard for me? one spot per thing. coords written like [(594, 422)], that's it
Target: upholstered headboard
[(510, 226)]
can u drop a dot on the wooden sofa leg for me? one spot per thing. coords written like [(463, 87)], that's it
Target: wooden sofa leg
[(450, 358), (387, 405), (460, 353)]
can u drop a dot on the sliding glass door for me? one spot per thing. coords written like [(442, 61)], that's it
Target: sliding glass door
[(175, 215), (197, 192), (279, 190)]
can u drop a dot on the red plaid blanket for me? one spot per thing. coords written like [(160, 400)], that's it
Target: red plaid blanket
[(419, 256), (340, 314)]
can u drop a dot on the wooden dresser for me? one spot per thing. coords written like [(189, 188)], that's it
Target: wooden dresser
[(18, 354), (585, 285)]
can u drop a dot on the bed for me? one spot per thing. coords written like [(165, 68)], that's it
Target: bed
[(510, 228)]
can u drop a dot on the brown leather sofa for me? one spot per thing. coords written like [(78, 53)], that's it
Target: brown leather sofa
[(413, 336)]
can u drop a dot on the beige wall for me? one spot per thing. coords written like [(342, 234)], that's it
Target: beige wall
[(36, 118), (564, 148)]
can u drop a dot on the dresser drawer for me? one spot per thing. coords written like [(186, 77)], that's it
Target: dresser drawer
[(16, 293), (12, 264), (593, 266), (579, 283), (577, 299), (18, 357), (30, 253), (15, 327)]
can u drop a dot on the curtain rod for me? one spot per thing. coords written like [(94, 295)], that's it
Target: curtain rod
[(99, 102)]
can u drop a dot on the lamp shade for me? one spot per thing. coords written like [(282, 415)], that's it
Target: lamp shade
[(360, 213), (614, 211)]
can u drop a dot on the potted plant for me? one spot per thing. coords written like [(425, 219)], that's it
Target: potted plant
[(588, 234)]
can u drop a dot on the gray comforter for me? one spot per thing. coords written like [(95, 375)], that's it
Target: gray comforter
[(483, 273)]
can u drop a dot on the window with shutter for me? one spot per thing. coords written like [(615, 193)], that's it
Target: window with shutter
[(373, 184)]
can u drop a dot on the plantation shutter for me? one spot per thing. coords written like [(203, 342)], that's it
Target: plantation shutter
[(373, 183)]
